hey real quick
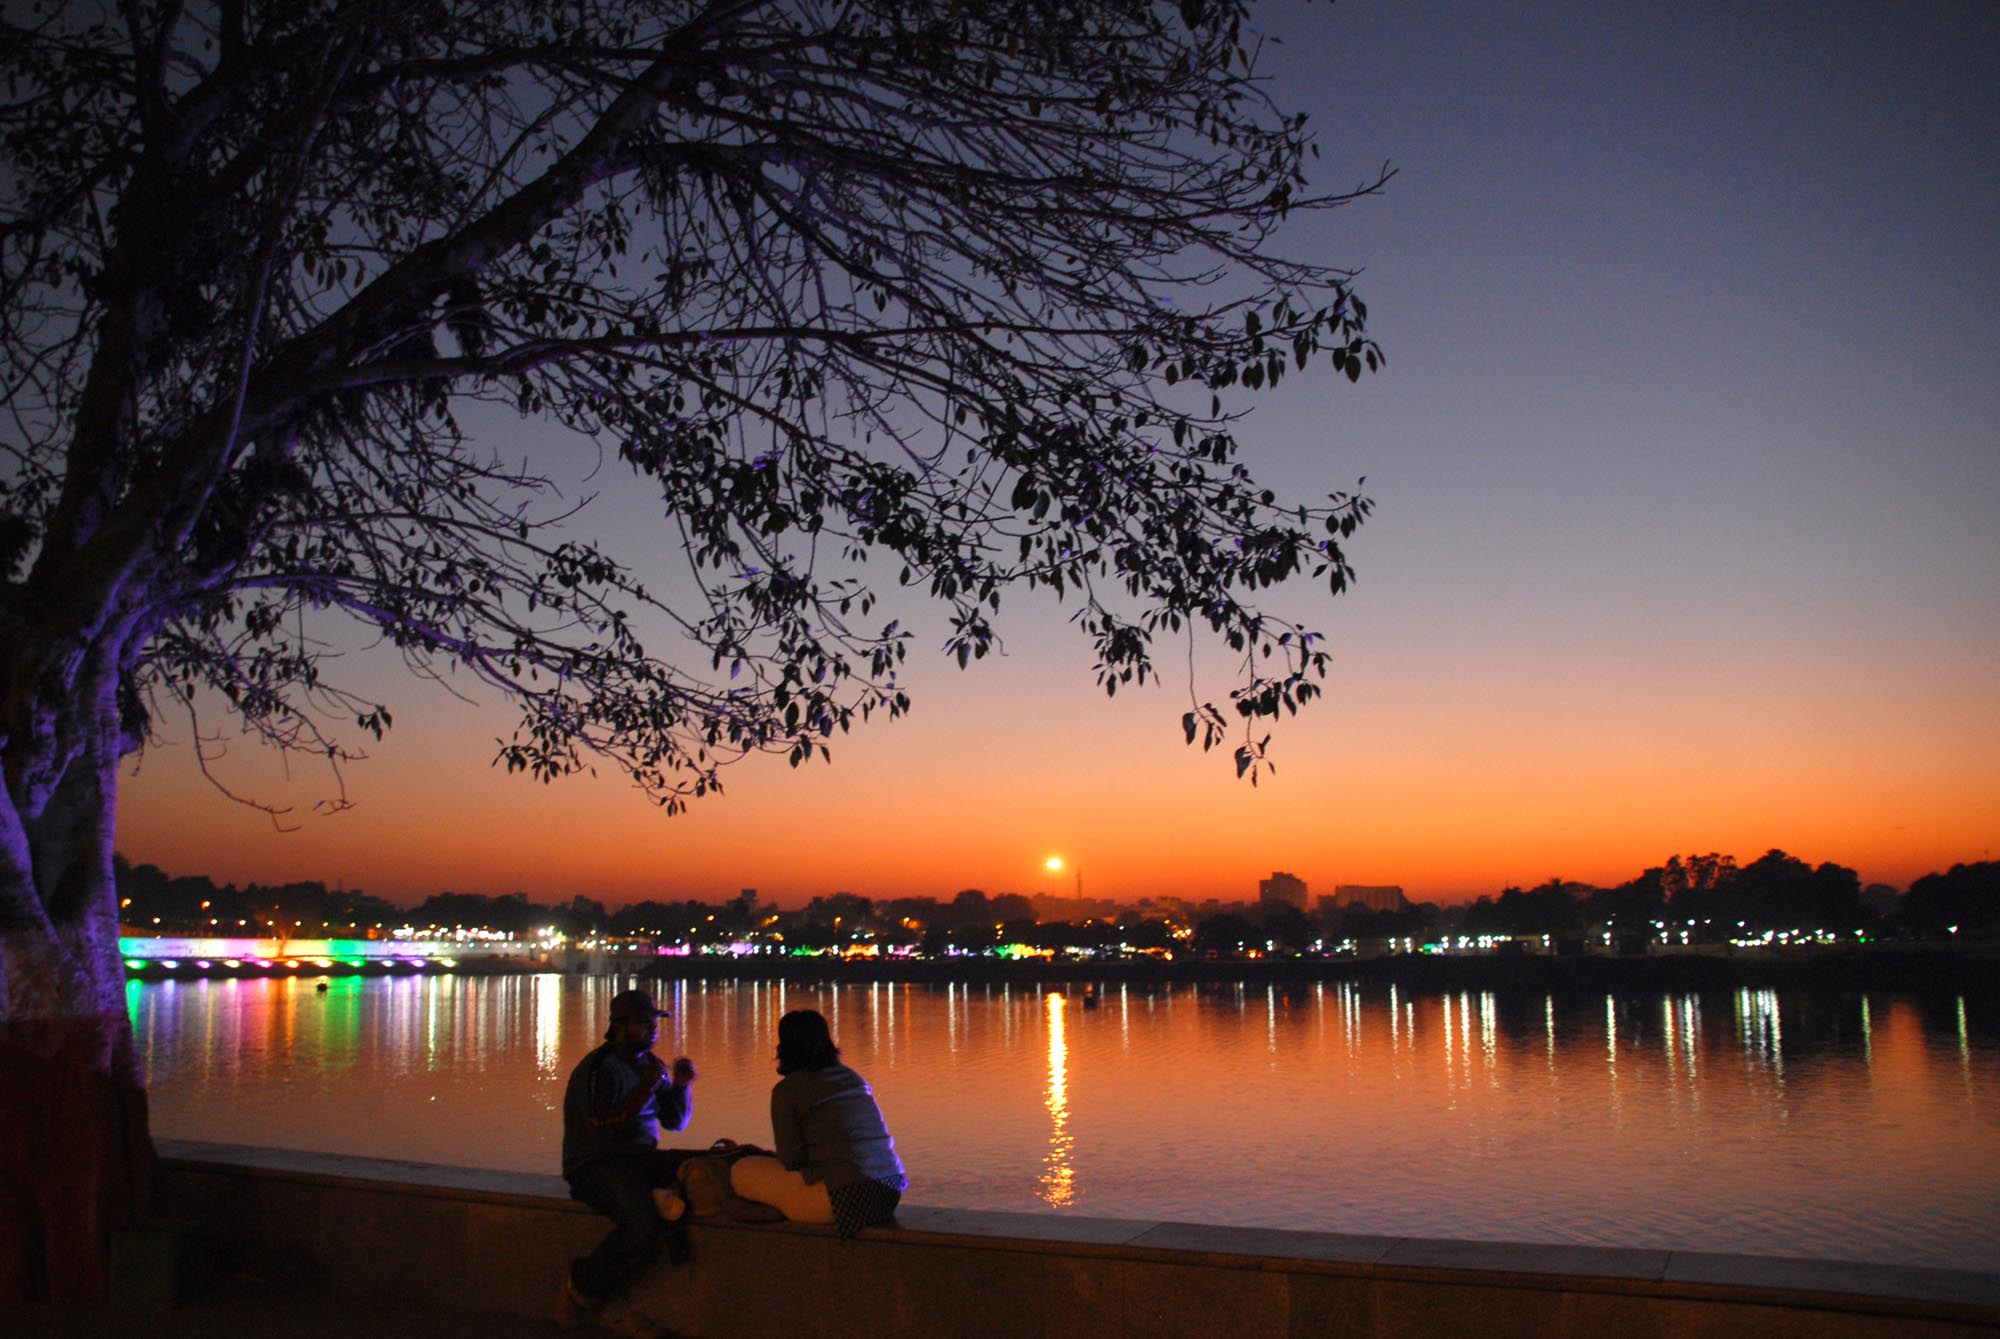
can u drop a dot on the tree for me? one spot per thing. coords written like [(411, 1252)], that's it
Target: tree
[(1226, 935), (1289, 927), (1962, 901), (1630, 909), (1406, 922), (1777, 891), (1698, 888), (975, 292)]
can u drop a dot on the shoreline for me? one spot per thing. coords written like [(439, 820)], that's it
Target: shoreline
[(1919, 969)]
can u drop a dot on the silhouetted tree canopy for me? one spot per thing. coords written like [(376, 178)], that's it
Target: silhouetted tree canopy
[(975, 290), (1966, 896), (1289, 927), (1779, 891), (961, 298), (1634, 905), (194, 904), (1550, 909), (1226, 934), (509, 912), (1695, 886), (1364, 923)]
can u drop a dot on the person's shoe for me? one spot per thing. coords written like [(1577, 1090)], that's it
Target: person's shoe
[(670, 1205), (573, 1309)]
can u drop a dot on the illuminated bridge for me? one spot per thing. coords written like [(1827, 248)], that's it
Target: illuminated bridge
[(153, 957)]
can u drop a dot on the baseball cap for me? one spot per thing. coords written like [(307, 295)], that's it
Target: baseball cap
[(635, 1004)]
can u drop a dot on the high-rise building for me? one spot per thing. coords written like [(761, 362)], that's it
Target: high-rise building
[(1282, 889), (1369, 896)]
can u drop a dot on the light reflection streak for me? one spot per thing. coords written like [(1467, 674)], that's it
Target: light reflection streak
[(1058, 1186), (1964, 1050), (207, 998), (1667, 1032), (548, 1024), (1451, 1052), (288, 1006), (1867, 1037), (1690, 1030), (429, 1002), (1487, 1024), (1770, 1000), (1270, 1020), (1611, 1046), (1465, 1036), (1761, 1031), (1549, 1028)]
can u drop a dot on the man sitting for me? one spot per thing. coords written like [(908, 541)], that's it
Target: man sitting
[(618, 1098)]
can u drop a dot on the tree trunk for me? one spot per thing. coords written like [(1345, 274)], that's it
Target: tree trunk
[(75, 1151)]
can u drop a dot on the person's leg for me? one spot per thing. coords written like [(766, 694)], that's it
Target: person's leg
[(620, 1189), (767, 1181)]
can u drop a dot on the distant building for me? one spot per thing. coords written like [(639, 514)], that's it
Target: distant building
[(1369, 897), (1282, 889), (1073, 909)]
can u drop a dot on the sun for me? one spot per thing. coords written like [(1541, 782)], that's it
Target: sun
[(1053, 864)]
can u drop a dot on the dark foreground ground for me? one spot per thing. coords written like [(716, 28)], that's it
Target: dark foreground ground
[(258, 1312)]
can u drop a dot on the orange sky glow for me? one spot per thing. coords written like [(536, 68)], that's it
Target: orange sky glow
[(1665, 559)]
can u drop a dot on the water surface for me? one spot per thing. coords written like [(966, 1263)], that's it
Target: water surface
[(1858, 1126)]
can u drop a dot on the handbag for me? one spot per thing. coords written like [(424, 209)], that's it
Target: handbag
[(705, 1185)]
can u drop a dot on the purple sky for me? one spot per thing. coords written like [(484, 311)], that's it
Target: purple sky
[(1686, 461)]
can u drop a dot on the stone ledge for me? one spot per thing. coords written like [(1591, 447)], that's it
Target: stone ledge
[(1436, 1268)]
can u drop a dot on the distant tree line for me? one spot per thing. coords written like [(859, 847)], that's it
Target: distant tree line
[(152, 899), (1721, 899), (1713, 897)]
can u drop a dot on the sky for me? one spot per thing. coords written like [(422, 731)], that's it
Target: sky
[(1686, 462)]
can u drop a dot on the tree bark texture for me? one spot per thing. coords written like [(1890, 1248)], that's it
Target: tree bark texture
[(75, 1149)]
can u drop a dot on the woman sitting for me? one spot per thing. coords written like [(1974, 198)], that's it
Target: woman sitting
[(836, 1163)]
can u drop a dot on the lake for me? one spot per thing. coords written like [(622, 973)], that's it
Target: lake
[(1845, 1125)]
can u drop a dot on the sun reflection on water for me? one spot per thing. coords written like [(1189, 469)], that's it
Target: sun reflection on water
[(1058, 1185), (548, 1025)]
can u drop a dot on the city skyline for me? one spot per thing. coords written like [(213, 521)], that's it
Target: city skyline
[(1684, 460), (1261, 891)]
